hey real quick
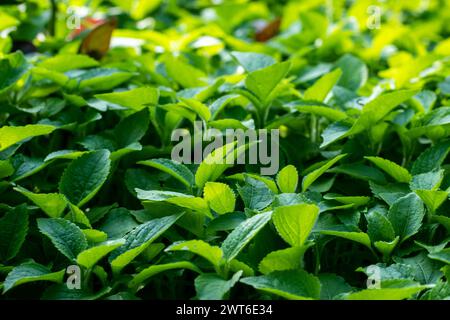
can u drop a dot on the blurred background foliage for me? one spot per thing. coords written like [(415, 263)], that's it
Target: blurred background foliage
[(407, 38)]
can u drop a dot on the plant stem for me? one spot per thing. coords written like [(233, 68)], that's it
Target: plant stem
[(258, 118), (53, 17)]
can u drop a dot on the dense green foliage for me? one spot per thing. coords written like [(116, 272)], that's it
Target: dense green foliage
[(359, 208)]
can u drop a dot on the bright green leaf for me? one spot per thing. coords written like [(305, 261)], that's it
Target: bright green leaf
[(294, 223), (287, 179), (220, 197)]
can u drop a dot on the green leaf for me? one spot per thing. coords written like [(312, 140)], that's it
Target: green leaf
[(354, 72), (77, 215), (226, 222), (174, 112), (385, 273), (84, 177), (153, 251), (386, 247), (406, 216), (380, 107), (287, 179), (287, 199), (120, 153), (135, 99), (432, 158), (217, 162), (26, 166), (397, 172), (65, 236), (199, 108), (184, 74), (213, 287), (322, 111), (335, 131), (13, 231), (437, 117), (267, 180), (442, 255), (89, 257), (290, 284), (309, 179), (443, 220), (220, 197), (379, 227), (6, 169), (386, 293), (53, 204), (427, 181), (425, 270), (252, 61), (159, 195), (175, 169), (12, 135), (131, 129), (243, 234), (263, 82), (255, 194), (389, 192), (62, 292), (433, 199), (440, 292), (141, 8), (67, 61), (236, 266), (97, 142), (285, 259), (332, 286), (217, 106), (360, 171), (139, 239), (117, 223), (433, 248), (320, 90), (359, 237), (331, 205), (199, 247), (372, 113), (102, 79), (8, 21), (13, 67), (176, 198), (425, 100), (95, 236), (355, 200), (54, 76), (64, 154), (138, 279), (31, 272), (223, 124), (294, 223)]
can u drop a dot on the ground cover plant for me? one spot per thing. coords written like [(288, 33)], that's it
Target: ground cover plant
[(93, 205)]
